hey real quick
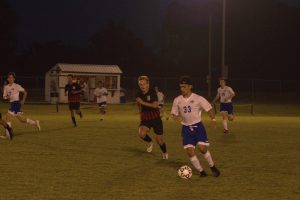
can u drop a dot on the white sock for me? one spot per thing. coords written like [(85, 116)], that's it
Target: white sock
[(225, 124), (208, 158), (194, 160), (30, 121)]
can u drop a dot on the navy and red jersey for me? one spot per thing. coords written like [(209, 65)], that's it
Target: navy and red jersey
[(148, 113), (70, 88)]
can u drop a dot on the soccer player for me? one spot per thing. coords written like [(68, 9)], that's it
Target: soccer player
[(187, 109), (161, 102), (73, 90), (225, 94), (100, 94), (146, 98), (12, 94)]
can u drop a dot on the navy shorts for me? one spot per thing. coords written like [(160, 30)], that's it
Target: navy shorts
[(74, 105), (194, 135), (156, 124), (226, 107), (15, 108), (102, 104)]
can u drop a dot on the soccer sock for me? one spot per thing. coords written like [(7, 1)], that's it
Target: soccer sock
[(147, 138), (30, 121), (225, 124), (163, 147), (208, 158), (194, 160), (74, 121)]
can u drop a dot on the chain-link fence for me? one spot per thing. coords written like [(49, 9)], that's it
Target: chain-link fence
[(247, 90)]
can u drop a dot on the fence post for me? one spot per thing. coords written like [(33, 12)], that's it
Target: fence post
[(252, 109), (252, 89)]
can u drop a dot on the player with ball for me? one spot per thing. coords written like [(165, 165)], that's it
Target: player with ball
[(187, 109)]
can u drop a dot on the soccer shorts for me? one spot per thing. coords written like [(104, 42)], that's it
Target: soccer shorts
[(194, 135), (226, 107), (74, 105), (102, 104), (15, 108), (156, 124)]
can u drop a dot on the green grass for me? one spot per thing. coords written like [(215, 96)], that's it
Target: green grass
[(259, 160)]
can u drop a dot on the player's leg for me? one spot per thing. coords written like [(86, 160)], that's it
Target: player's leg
[(202, 143), (143, 134), (8, 129), (158, 129), (225, 121), (102, 110), (77, 108), (190, 150), (29, 121), (230, 112), (72, 107)]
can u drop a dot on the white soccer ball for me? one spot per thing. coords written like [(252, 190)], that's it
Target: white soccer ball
[(185, 172)]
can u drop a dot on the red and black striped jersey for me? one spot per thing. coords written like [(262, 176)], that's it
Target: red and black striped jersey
[(148, 113), (74, 87)]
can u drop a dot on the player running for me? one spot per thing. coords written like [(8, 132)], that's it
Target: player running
[(100, 94), (12, 93), (150, 116), (161, 102), (187, 109), (225, 94), (73, 90)]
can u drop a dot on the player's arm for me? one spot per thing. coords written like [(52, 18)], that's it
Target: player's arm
[(216, 98), (231, 94), (5, 96), (154, 104), (24, 96), (210, 111), (78, 90), (175, 112)]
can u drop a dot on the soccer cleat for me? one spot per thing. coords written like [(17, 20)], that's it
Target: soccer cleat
[(38, 125), (150, 147), (226, 131), (203, 174), (215, 171), (165, 156)]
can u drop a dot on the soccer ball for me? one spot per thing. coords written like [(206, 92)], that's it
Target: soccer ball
[(185, 172)]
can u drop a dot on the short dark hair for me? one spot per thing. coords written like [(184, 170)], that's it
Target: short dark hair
[(185, 80), (11, 74)]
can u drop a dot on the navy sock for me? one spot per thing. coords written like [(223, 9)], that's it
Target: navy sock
[(74, 121), (147, 138), (163, 147)]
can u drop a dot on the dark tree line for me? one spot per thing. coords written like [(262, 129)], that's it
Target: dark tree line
[(262, 41)]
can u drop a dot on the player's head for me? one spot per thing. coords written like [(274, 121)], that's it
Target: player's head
[(222, 82), (143, 82), (185, 85), (11, 77), (100, 84), (70, 78)]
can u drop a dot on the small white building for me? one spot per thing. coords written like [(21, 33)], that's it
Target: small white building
[(88, 75)]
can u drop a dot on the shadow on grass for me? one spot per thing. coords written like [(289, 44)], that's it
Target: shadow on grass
[(138, 151)]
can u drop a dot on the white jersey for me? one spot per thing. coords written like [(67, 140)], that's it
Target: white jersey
[(100, 93), (224, 93), (12, 92), (190, 108), (160, 97)]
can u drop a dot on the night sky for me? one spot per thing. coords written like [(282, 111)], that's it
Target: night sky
[(75, 21)]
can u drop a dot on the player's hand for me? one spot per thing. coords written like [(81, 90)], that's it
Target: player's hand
[(214, 123), (139, 100)]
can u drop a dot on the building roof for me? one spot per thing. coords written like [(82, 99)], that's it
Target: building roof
[(89, 68)]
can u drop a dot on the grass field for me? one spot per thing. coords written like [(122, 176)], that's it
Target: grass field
[(260, 159)]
